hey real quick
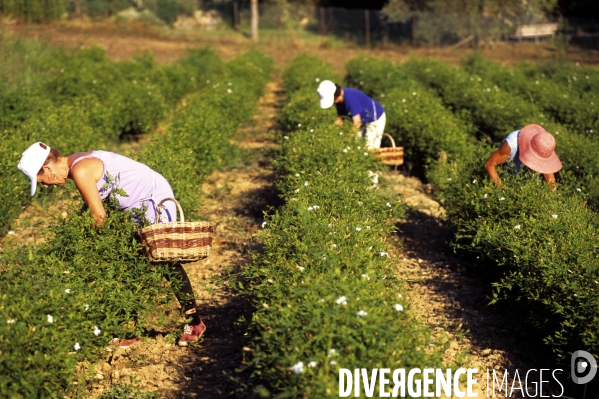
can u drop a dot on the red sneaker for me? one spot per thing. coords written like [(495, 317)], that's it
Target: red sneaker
[(122, 343), (191, 333)]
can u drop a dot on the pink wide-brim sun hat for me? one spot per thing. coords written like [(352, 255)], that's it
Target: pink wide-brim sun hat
[(536, 148)]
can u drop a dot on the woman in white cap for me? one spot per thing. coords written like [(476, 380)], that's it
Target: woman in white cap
[(367, 115), (95, 174), (533, 147)]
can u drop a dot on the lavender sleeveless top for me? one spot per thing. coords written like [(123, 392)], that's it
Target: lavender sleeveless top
[(139, 182)]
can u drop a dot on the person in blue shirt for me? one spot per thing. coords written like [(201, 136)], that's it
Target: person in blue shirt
[(367, 115)]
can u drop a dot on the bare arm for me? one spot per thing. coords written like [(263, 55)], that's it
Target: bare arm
[(357, 121), (85, 175), (339, 120), (498, 157), (550, 178)]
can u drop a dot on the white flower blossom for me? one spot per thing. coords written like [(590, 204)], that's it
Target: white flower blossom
[(517, 227), (296, 190), (299, 125), (579, 190), (554, 216), (317, 80), (334, 245), (366, 153), (345, 150), (358, 229), (306, 184), (332, 352), (68, 290), (389, 205), (342, 300), (10, 321), (263, 225), (485, 196), (312, 364), (365, 276), (398, 307), (301, 268), (297, 175), (286, 137), (50, 318), (310, 208), (297, 368), (333, 363), (229, 91), (86, 306), (77, 346), (11, 233), (311, 130), (97, 331), (383, 253), (449, 179), (361, 313), (502, 199), (474, 181)]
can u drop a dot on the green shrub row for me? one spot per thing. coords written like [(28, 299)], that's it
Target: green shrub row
[(324, 288), (63, 300), (540, 244)]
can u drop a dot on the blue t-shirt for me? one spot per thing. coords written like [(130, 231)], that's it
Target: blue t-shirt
[(355, 102)]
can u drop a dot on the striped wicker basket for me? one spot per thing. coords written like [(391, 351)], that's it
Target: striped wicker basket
[(177, 241), (389, 155)]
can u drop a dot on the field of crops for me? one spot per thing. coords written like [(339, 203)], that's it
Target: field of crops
[(324, 285)]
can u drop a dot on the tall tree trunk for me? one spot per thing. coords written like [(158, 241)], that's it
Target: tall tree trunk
[(255, 20)]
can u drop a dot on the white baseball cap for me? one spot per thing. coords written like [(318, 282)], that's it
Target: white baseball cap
[(32, 161), (326, 92)]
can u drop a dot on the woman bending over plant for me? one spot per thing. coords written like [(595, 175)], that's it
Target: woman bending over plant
[(95, 174), (531, 146)]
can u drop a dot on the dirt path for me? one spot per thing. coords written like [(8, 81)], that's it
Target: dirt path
[(234, 200), (448, 297)]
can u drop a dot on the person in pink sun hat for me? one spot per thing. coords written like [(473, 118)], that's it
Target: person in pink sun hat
[(533, 147)]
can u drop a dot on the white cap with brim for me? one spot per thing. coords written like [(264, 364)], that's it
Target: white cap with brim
[(326, 92), (32, 161)]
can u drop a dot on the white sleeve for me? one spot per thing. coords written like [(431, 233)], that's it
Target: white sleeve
[(512, 140)]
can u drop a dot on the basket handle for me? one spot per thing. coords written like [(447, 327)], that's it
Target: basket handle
[(390, 138), (159, 207)]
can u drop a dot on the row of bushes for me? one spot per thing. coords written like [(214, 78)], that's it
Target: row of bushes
[(541, 244), (78, 101), (325, 290), (64, 300)]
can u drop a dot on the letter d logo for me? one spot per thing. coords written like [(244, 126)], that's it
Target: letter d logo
[(589, 364)]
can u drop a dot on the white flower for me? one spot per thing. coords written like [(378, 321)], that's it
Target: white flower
[(310, 208), (517, 227), (297, 368), (324, 257), (358, 229), (286, 137), (306, 184), (345, 150), (321, 300), (554, 216), (399, 295), (10, 321), (301, 268), (485, 196), (50, 318), (11, 233), (296, 190), (86, 306), (330, 225), (315, 206), (398, 307), (334, 245), (361, 313), (474, 181), (333, 363), (317, 79), (229, 91), (297, 175), (342, 300), (365, 276), (383, 253), (340, 133), (389, 205), (414, 93), (366, 153), (579, 190), (299, 125), (311, 130), (359, 148), (230, 84), (68, 290), (312, 364), (77, 346), (502, 199), (449, 179), (97, 331), (263, 225), (360, 203), (332, 352)]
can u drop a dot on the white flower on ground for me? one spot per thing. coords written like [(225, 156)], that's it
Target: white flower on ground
[(296, 190), (86, 306), (361, 313), (297, 368), (502, 199), (517, 227), (299, 125), (340, 133), (342, 300), (554, 216), (383, 253), (11, 233), (50, 318), (321, 300), (332, 352), (413, 93), (474, 181), (77, 346), (367, 227), (485, 196), (301, 268), (317, 79), (68, 290), (330, 224), (365, 276), (366, 153), (263, 225), (579, 190), (286, 137), (10, 321), (389, 205), (359, 148), (297, 175), (311, 130), (324, 257), (229, 91), (334, 245), (310, 208), (449, 179), (333, 363), (306, 184), (345, 150), (97, 331), (398, 307), (312, 364), (358, 229)]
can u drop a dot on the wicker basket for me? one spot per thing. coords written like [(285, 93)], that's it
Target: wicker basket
[(389, 155), (176, 241)]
